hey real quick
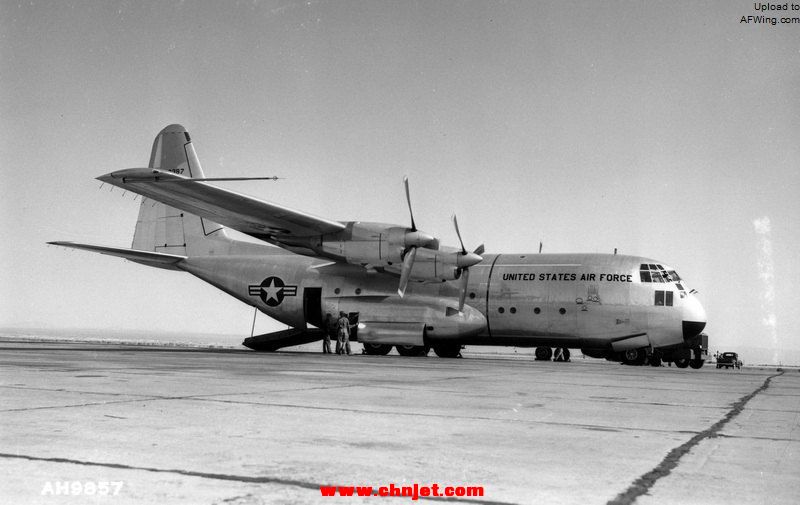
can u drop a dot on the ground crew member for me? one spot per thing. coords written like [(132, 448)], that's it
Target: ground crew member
[(328, 328), (343, 337)]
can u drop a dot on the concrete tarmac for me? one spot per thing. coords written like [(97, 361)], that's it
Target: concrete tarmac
[(86, 423)]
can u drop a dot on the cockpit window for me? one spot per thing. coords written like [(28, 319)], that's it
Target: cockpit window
[(650, 272)]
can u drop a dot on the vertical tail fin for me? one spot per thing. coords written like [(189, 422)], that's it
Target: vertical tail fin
[(165, 229)]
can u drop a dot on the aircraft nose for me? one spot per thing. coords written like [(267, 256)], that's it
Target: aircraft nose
[(694, 317)]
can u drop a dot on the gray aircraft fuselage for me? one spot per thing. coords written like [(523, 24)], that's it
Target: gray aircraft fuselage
[(595, 301)]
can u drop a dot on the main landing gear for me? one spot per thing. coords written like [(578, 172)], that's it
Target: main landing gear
[(635, 357), (377, 349), (447, 350), (412, 350), (403, 350)]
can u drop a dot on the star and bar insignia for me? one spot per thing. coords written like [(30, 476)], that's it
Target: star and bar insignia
[(272, 290)]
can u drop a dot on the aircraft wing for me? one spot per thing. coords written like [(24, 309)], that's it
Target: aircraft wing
[(258, 218)]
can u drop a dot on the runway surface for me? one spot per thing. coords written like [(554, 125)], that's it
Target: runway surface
[(229, 427)]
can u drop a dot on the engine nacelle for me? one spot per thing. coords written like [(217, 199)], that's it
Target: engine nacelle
[(436, 265), (375, 244)]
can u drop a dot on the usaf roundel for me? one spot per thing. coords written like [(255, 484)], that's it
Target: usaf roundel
[(272, 290)]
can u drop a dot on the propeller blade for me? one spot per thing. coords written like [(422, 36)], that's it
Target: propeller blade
[(463, 295), (455, 222), (479, 250), (408, 199), (405, 273)]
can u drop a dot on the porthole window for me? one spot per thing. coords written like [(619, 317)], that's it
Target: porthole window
[(501, 310), (358, 291), (472, 296), (337, 291), (562, 311), (513, 310), (537, 310)]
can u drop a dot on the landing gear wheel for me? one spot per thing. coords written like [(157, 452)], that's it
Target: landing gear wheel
[(543, 354), (377, 349), (682, 362), (412, 350), (634, 357), (447, 350), (696, 363)]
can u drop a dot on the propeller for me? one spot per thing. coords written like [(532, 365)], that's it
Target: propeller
[(464, 261), (408, 199), (412, 240), (405, 273)]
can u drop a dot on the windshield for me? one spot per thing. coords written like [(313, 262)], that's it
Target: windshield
[(653, 272)]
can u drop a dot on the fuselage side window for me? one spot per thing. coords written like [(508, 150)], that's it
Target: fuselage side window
[(670, 297), (659, 298)]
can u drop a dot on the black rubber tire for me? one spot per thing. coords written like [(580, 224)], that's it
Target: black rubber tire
[(377, 349), (447, 350), (635, 357), (655, 359), (697, 363), (412, 350), (682, 363), (543, 353)]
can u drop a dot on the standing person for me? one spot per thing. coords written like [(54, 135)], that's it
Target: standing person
[(328, 329), (343, 339)]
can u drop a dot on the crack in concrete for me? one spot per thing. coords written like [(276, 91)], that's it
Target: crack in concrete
[(440, 416), (227, 477), (644, 483), (771, 439)]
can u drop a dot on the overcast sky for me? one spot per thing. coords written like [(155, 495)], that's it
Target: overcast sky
[(668, 130)]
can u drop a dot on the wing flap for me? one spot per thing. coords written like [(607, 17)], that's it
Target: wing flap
[(241, 212)]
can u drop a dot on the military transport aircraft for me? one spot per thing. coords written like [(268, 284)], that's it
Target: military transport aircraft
[(400, 285)]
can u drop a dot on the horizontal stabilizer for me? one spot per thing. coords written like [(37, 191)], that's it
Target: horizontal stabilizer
[(285, 338), (149, 258)]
